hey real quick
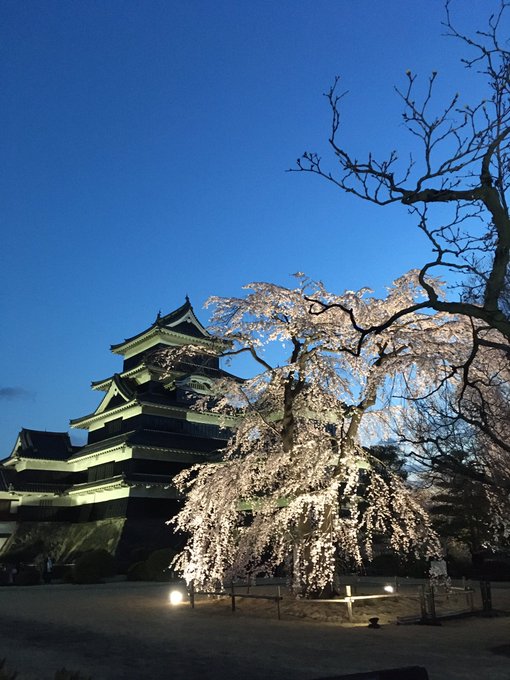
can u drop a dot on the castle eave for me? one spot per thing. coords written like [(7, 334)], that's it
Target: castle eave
[(84, 421), (171, 337), (99, 486)]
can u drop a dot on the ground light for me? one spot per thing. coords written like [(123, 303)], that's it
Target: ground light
[(176, 596), (389, 589)]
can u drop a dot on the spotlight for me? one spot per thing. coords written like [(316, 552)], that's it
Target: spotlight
[(389, 589), (176, 597)]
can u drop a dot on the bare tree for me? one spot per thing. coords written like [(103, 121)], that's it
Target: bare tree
[(463, 164)]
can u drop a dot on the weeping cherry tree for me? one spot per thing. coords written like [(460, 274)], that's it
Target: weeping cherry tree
[(296, 484)]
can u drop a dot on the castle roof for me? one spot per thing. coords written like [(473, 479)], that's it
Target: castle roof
[(182, 321), (43, 444), (188, 444)]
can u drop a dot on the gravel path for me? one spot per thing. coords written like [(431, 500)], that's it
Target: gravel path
[(129, 631)]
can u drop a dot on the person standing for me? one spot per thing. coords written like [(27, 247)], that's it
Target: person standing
[(48, 569)]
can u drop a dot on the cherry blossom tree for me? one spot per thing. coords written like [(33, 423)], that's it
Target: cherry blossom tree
[(296, 484)]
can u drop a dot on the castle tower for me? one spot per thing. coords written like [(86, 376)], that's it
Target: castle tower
[(143, 432)]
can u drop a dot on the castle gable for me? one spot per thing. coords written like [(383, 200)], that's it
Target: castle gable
[(173, 329)]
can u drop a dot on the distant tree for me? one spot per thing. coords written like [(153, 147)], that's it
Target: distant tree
[(289, 484), (462, 165), (390, 456), (460, 452), (460, 507), (473, 420)]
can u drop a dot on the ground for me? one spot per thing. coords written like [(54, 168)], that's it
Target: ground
[(129, 631)]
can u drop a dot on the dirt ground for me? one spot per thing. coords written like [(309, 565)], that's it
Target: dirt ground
[(404, 604), (130, 631)]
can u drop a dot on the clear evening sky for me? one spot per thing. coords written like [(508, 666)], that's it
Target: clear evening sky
[(144, 154)]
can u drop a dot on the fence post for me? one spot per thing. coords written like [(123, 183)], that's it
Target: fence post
[(423, 604), (485, 590), (431, 604), (348, 595), (489, 596), (470, 601), (233, 596)]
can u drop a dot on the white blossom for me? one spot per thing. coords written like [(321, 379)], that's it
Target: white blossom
[(295, 484)]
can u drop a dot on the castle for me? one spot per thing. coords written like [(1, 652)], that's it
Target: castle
[(116, 491)]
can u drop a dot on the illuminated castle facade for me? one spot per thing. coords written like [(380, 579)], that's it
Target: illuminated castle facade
[(143, 432)]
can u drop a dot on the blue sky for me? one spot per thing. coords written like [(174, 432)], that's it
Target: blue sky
[(145, 148)]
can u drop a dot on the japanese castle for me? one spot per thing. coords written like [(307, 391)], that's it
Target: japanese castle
[(116, 491)]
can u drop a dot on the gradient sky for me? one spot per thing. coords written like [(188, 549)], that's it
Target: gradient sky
[(144, 150)]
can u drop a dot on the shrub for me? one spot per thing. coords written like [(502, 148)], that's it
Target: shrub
[(5, 574), (93, 566), (415, 568), (61, 572), (158, 565), (386, 564), (459, 567), (139, 555), (137, 572), (495, 569), (27, 576), (27, 553), (391, 564)]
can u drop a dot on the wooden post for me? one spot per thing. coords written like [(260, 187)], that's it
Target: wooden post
[(278, 595), (485, 589), (348, 596), (423, 604), (233, 596), (470, 601), (431, 604), (192, 594)]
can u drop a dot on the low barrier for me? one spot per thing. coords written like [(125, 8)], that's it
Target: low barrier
[(350, 599), (433, 603), (233, 595), (428, 603)]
